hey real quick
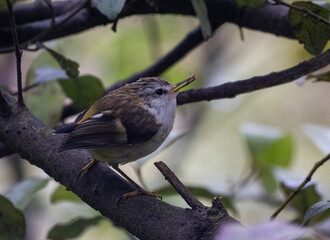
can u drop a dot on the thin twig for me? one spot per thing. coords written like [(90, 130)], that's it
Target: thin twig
[(303, 10), (296, 191), (178, 186), (28, 87), (50, 6), (18, 53)]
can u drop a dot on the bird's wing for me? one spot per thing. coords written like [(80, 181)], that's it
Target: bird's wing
[(140, 125), (106, 130)]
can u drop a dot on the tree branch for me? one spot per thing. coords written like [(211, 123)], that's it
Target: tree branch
[(232, 89), (192, 40), (144, 217), (4, 106), (4, 151), (190, 199), (53, 28), (297, 190), (272, 19), (36, 11)]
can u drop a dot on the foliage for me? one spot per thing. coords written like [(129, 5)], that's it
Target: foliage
[(84, 90), (54, 78), (111, 9), (62, 194), (313, 33), (268, 147), (201, 12), (315, 209), (12, 221), (73, 228), (21, 194)]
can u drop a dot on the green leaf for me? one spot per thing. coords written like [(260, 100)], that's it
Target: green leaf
[(22, 193), (12, 221), (72, 229), (315, 209), (313, 33), (304, 199), (268, 147), (267, 178), (251, 3), (62, 194), (110, 8), (279, 152), (323, 77), (201, 12), (320, 135), (46, 100), (69, 66), (198, 192), (84, 90)]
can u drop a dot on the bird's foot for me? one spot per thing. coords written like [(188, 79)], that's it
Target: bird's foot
[(139, 192), (85, 169)]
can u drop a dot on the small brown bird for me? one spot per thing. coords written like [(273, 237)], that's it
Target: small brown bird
[(126, 124)]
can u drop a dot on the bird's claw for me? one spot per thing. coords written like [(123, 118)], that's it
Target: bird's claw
[(139, 192)]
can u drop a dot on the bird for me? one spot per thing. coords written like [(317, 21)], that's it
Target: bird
[(125, 125)]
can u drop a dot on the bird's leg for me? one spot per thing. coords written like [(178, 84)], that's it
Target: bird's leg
[(85, 169), (139, 189)]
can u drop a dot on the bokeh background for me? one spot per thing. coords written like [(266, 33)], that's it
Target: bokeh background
[(209, 149)]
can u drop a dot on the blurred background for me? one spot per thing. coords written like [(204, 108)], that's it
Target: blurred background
[(210, 148)]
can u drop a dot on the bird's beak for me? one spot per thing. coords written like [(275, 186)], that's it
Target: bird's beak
[(182, 84)]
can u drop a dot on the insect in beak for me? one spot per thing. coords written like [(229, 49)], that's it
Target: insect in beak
[(183, 83)]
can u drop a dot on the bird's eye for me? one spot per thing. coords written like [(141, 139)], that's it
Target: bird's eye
[(159, 91)]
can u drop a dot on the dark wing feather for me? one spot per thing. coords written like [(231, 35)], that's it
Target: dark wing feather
[(96, 133), (107, 131), (140, 125)]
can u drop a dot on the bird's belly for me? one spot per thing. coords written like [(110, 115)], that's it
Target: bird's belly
[(128, 153)]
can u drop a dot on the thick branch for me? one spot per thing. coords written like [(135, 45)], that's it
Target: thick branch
[(101, 188), (232, 89), (272, 19), (35, 11), (4, 106), (4, 151)]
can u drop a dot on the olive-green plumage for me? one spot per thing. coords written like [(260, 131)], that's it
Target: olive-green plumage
[(126, 124)]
